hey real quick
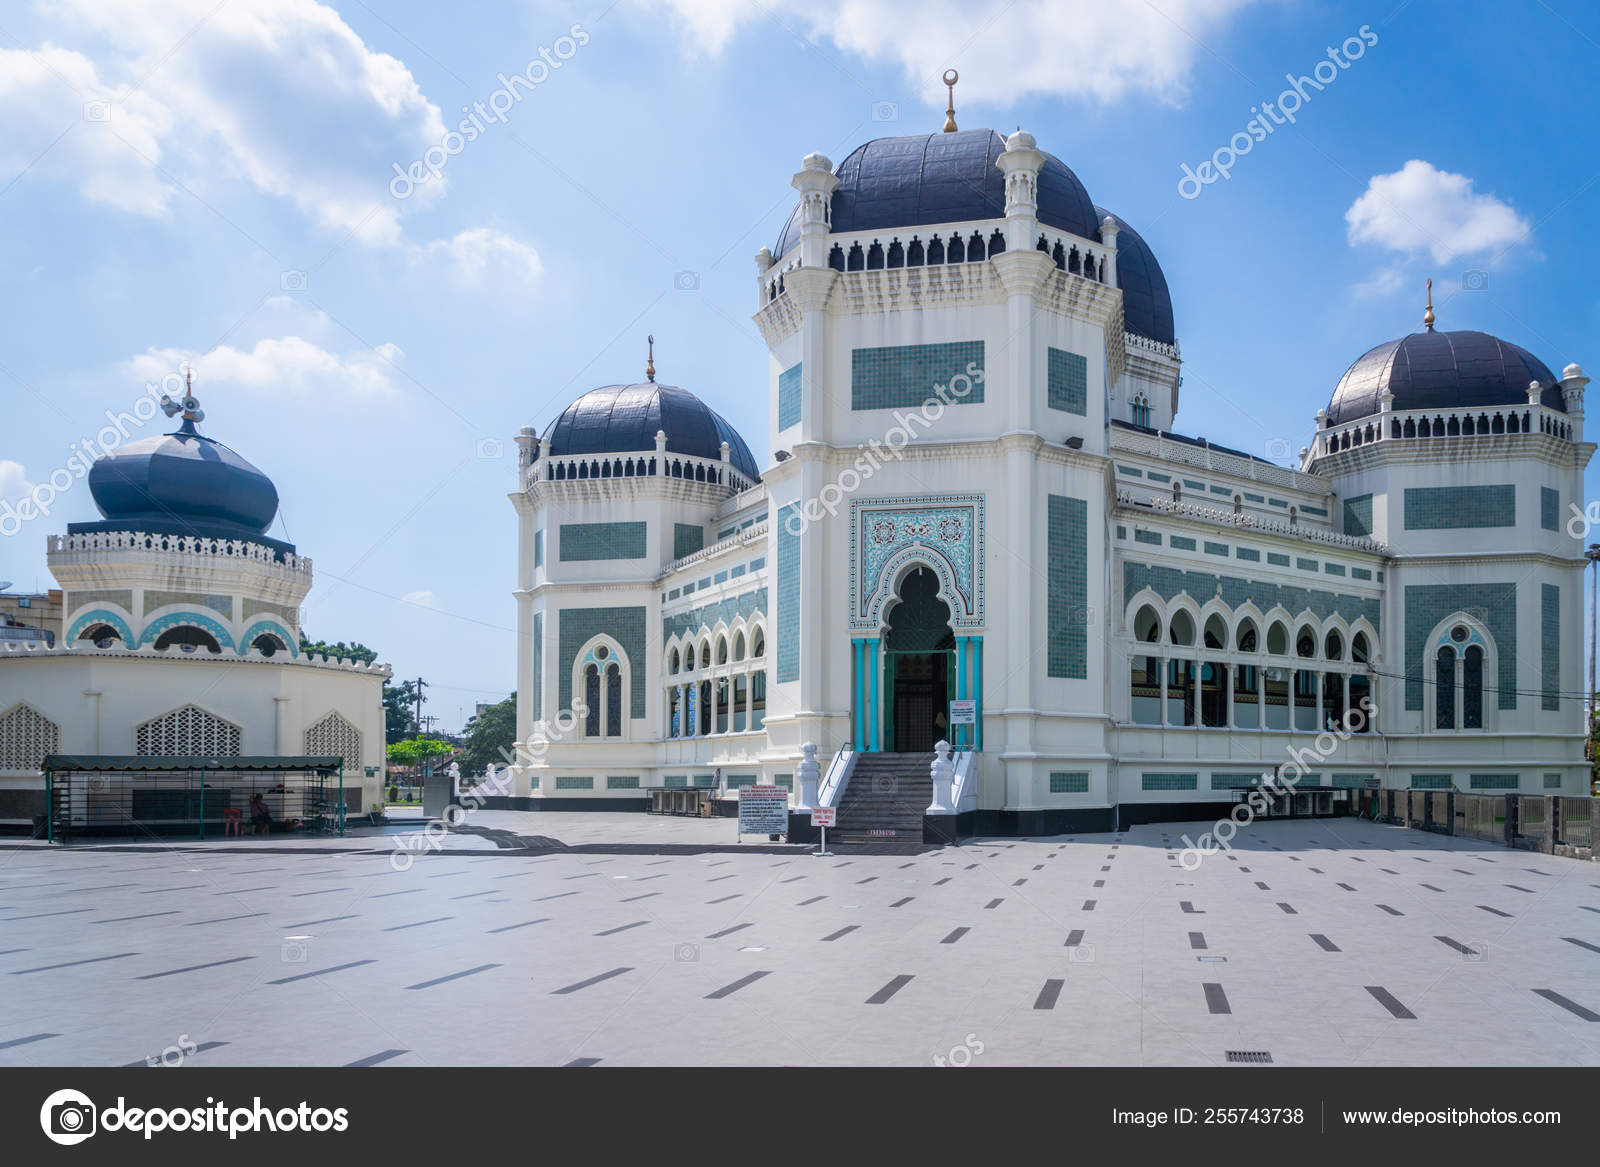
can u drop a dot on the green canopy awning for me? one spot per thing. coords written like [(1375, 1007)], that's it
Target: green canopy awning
[(140, 762)]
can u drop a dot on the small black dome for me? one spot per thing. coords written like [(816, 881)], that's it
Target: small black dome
[(1146, 304), (623, 419), (941, 178), (1442, 370), (181, 483)]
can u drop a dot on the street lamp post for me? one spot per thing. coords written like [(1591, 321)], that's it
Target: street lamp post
[(1593, 556)]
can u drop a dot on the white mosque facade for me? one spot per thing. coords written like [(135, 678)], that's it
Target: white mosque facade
[(980, 507)]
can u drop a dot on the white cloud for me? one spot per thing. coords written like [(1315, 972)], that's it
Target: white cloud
[(474, 252), (1385, 281), (1003, 51), (279, 94), (64, 124), (422, 599), (13, 480), (276, 364), (1420, 208)]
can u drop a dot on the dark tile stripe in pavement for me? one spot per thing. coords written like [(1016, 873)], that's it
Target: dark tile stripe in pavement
[(812, 900), (845, 931), (1288, 909), (1074, 938), (1391, 911), (938, 882), (42, 915), (1456, 944), (623, 928), (1197, 940), (557, 896), (418, 924), (321, 892), (731, 931), (955, 935), (994, 903), (1324, 943), (1088, 905), (1430, 887), (514, 927), (724, 899), (1494, 911), (1346, 887), (374, 1059), (900, 903), (1216, 999), (32, 1037), (142, 916), (475, 894), (224, 919), (71, 963), (172, 972), (894, 986), (605, 976), (1048, 995), (323, 920), (645, 896), (1388, 1000), (199, 1049), (1570, 1006), (729, 990), (1529, 890), (320, 972), (1189, 908), (186, 887), (453, 976), (581, 1063), (1581, 943), (383, 895)]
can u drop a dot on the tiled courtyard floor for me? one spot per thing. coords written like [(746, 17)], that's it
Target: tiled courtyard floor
[(1331, 943)]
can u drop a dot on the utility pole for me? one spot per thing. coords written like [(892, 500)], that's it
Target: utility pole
[(1593, 556), (417, 719)]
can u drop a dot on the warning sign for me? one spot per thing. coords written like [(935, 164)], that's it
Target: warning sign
[(763, 810)]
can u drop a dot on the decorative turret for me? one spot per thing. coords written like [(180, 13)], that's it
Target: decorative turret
[(816, 183)]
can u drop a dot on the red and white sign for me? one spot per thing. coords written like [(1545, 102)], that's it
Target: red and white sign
[(824, 816)]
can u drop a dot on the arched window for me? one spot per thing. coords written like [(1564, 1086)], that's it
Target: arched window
[(591, 700), (268, 644), (1444, 696), (1216, 631), (1472, 688), (187, 638), (613, 700), (1305, 642), (672, 663), (758, 643), (1141, 411), (1277, 639), (102, 635), (1147, 625), (722, 650), (1181, 628), (1247, 636), (600, 677), (1333, 645), (738, 646)]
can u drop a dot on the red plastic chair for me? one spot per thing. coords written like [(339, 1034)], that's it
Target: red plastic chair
[(232, 822)]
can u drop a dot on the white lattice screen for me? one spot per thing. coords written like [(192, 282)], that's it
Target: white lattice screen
[(334, 737), (26, 736), (189, 731)]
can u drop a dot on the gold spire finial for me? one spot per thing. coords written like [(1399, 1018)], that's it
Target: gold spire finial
[(1427, 317), (650, 361), (950, 79)]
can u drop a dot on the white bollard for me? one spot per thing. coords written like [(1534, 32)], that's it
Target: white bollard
[(943, 773)]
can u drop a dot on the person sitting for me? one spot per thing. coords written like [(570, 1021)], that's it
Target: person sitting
[(260, 815)]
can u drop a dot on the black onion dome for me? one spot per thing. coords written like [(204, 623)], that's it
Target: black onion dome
[(942, 178), (1146, 303), (181, 483), (1442, 370), (623, 419)]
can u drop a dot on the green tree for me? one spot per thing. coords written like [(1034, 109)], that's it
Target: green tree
[(399, 710), (487, 734), (417, 751)]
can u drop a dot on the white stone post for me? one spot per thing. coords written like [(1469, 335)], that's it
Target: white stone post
[(1572, 384), (1021, 162), (807, 774), (1108, 236), (816, 183), (943, 773)]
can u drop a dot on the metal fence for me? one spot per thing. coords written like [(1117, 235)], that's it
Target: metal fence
[(202, 802), (1549, 823)]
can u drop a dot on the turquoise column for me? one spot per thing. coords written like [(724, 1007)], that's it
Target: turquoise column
[(872, 704), (978, 690), (858, 704), (959, 732)]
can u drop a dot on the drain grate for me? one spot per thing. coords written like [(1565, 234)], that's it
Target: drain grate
[(1254, 1057)]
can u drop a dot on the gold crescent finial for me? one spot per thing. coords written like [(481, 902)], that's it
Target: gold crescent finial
[(1427, 317), (650, 361), (950, 79)]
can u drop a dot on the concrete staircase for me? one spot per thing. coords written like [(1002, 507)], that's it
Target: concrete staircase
[(885, 799)]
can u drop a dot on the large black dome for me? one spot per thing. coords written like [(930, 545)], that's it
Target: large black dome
[(623, 419), (1442, 370), (181, 483), (1146, 303), (942, 178)]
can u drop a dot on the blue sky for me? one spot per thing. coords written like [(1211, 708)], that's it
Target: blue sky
[(188, 180)]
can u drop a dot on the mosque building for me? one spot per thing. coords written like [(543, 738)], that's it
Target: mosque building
[(982, 526), (181, 640)]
